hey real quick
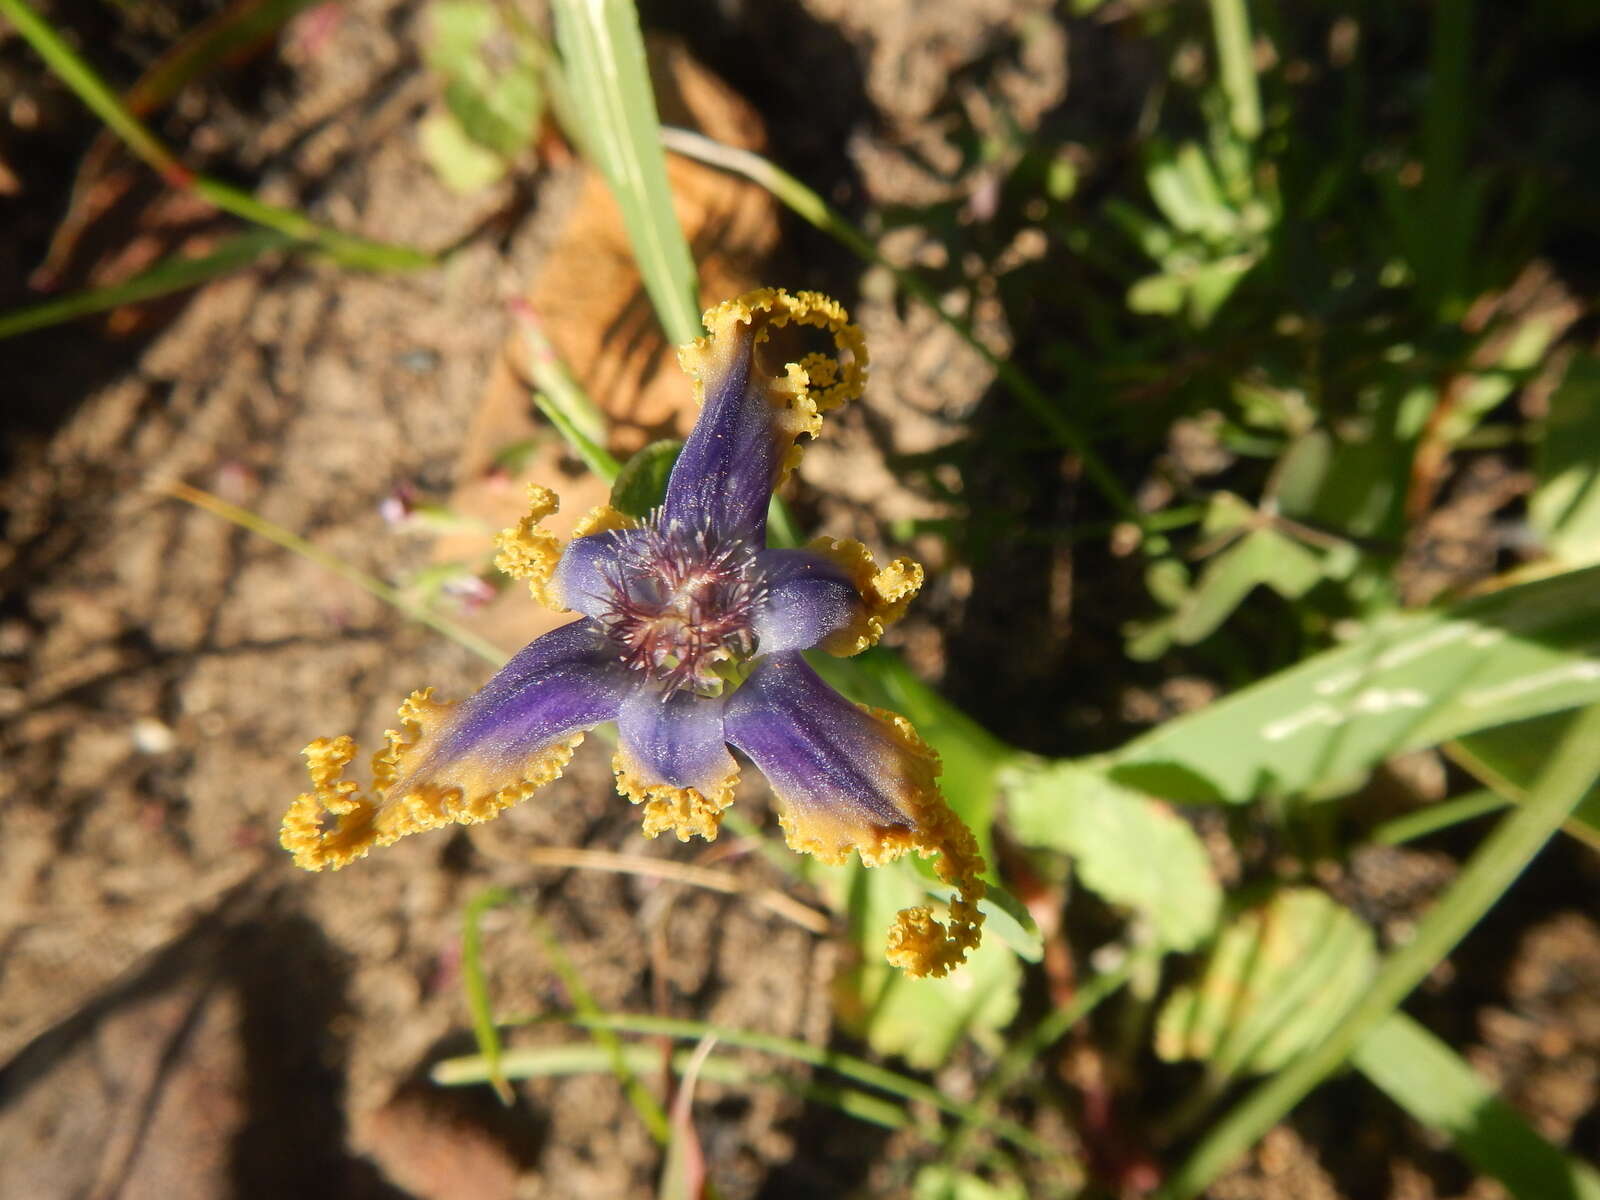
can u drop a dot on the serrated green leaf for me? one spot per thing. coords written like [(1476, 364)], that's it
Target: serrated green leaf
[(1409, 680), (1130, 849), (641, 485), (1280, 976)]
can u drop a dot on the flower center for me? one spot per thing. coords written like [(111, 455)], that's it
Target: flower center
[(681, 608)]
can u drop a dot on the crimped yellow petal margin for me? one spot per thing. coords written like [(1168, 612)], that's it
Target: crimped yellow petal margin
[(530, 553), (392, 808), (884, 594), (686, 812), (816, 384)]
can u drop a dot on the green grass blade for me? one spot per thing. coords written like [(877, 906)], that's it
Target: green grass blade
[(476, 986), (1428, 1079), (609, 83), (1230, 25), (76, 73), (857, 1070), (1570, 769), (561, 398), (1412, 825), (536, 1062), (590, 1017), (168, 276)]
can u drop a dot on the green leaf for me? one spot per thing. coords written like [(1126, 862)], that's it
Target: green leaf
[(1406, 681), (491, 82), (1279, 978), (1130, 849), (1565, 506), (463, 164), (939, 1182), (603, 54), (1262, 557), (641, 485), (1430, 1081)]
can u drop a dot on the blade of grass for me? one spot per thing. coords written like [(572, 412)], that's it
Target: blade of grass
[(857, 1070), (171, 275), (1428, 1079), (536, 1062), (76, 73), (643, 1101), (1492, 869), (560, 397), (1230, 24), (476, 987), (604, 66), (1434, 817), (246, 519), (806, 204)]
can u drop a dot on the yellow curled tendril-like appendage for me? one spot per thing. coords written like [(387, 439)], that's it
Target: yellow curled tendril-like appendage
[(810, 387), (884, 593), (531, 553)]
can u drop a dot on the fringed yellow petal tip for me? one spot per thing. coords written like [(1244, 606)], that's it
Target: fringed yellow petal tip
[(918, 944), (818, 383), (530, 553), (686, 812), (884, 593), (386, 812)]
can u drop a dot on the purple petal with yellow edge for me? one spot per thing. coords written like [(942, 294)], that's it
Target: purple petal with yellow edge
[(805, 598), (672, 758), (725, 473), (754, 403), (854, 778), (461, 762), (583, 578)]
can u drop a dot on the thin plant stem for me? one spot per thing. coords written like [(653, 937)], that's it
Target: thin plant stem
[(857, 1070), (1504, 854), (475, 984), (1025, 1050), (76, 73), (643, 1100), (172, 275), (393, 597)]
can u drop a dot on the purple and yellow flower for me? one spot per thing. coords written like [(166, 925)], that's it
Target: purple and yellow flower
[(689, 637)]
